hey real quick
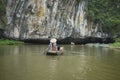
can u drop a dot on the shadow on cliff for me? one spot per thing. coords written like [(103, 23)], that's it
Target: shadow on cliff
[(1, 33), (69, 40)]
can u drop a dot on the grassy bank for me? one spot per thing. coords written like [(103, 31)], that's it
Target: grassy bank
[(116, 44), (10, 42)]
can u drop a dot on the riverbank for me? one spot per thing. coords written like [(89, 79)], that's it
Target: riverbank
[(115, 45), (10, 42)]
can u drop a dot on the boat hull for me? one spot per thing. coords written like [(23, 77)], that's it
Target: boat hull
[(54, 52)]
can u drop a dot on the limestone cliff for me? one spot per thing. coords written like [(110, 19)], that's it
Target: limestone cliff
[(43, 19)]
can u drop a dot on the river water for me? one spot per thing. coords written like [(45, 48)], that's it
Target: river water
[(28, 62)]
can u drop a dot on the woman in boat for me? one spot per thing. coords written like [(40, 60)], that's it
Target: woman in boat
[(53, 45)]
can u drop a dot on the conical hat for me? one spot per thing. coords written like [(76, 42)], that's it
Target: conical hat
[(53, 40)]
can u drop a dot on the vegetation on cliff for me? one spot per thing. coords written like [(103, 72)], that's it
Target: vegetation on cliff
[(2, 13), (106, 13)]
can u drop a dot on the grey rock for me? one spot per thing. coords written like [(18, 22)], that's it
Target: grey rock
[(43, 19)]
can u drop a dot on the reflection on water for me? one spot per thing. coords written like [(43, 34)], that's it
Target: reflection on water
[(28, 62)]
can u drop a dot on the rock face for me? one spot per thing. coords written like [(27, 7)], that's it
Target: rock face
[(43, 19)]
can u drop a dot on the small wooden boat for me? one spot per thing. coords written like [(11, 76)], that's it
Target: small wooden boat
[(54, 53), (60, 52), (53, 49)]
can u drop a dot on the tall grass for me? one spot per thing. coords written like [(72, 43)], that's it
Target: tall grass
[(10, 42)]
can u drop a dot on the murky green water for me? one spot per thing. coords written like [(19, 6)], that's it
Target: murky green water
[(28, 62)]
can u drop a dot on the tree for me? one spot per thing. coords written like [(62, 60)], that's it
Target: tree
[(106, 13)]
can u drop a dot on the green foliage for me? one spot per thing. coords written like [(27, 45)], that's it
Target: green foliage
[(116, 43), (117, 40), (78, 1), (9, 42), (2, 13), (107, 13), (2, 7)]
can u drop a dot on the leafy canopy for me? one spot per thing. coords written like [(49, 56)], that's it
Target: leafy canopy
[(107, 13)]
